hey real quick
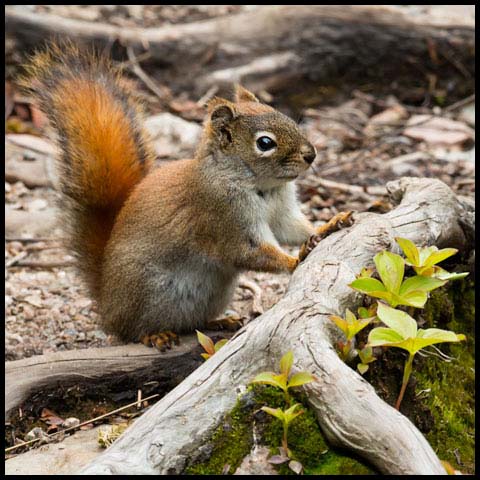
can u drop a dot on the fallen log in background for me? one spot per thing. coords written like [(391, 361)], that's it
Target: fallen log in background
[(99, 369), (169, 436), (279, 47)]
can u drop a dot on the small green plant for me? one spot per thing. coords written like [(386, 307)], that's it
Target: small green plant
[(392, 288), (366, 357), (424, 260), (402, 332), (207, 343), (350, 326), (106, 436), (286, 417), (281, 380), (371, 311)]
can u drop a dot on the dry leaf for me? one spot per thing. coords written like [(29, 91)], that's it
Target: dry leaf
[(297, 467), (439, 131)]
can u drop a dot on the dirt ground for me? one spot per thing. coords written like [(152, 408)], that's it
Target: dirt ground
[(363, 141)]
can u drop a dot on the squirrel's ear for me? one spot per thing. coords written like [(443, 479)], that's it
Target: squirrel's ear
[(244, 95), (221, 111)]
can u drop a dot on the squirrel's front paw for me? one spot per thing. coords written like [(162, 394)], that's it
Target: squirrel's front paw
[(339, 221)]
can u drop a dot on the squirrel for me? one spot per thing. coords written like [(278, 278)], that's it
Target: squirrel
[(160, 249)]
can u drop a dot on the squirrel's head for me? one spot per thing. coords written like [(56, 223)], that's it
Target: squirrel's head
[(258, 138)]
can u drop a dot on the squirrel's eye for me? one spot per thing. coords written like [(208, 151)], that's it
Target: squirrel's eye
[(265, 143)]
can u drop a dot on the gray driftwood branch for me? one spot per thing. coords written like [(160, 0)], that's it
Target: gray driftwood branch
[(170, 435)]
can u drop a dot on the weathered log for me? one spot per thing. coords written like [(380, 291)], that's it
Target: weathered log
[(100, 367), (168, 437), (278, 46)]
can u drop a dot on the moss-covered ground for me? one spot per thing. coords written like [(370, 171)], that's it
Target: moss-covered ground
[(233, 440), (447, 387)]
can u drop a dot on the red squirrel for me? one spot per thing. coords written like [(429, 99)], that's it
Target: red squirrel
[(160, 249)]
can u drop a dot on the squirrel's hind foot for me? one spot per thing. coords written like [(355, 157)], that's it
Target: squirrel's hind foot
[(161, 340)]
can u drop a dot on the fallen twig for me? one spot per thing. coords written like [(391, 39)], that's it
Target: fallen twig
[(161, 92), (15, 259), (460, 103), (344, 187), (45, 265)]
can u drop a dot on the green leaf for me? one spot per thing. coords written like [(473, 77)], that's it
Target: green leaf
[(271, 378), (205, 356), (383, 336), (362, 368), (366, 355), (350, 317), (425, 252), (390, 267), (220, 344), (442, 274), (432, 336), (290, 414), (439, 256), (389, 297), (424, 271), (365, 272), (407, 344), (419, 282), (300, 378), (358, 326), (409, 249), (363, 312), (367, 285), (399, 321), (340, 323), (441, 335), (206, 342), (416, 298), (286, 363), (276, 412)]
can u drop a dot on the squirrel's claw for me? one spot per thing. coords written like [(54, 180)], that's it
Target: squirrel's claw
[(229, 322), (161, 340)]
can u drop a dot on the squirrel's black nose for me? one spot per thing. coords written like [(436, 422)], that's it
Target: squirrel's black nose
[(308, 153)]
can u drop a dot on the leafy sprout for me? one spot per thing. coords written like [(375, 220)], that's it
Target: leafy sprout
[(282, 380), (366, 357), (392, 288), (424, 259), (402, 332), (207, 343), (286, 417), (350, 326)]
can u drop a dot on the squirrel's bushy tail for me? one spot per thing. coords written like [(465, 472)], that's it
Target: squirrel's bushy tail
[(104, 152)]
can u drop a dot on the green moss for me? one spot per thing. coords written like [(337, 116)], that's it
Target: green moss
[(234, 439), (231, 443), (448, 387), (310, 448)]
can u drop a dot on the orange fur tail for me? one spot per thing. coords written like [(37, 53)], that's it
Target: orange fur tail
[(104, 152)]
